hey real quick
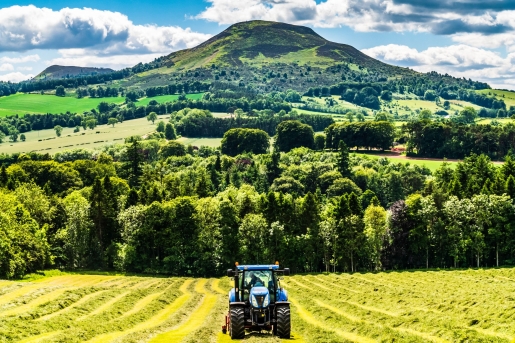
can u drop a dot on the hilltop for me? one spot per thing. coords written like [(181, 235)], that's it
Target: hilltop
[(59, 72), (263, 42), (259, 51)]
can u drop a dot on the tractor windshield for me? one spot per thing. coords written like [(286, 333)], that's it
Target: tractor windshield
[(258, 278)]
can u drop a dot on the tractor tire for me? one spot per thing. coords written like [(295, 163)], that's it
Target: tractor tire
[(237, 325), (283, 326)]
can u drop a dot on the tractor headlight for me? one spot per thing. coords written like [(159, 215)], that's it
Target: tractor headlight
[(254, 301), (267, 301)]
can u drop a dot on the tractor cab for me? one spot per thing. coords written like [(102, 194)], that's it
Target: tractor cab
[(258, 302)]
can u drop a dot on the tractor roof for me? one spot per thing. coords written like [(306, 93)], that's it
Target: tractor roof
[(259, 267)]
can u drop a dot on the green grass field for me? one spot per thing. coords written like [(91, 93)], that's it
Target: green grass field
[(431, 164), (168, 98), (50, 143), (421, 306), (37, 103), (507, 96), (198, 142)]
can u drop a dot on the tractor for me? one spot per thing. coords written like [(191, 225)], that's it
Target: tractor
[(257, 302)]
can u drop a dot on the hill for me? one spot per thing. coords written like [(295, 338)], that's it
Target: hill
[(262, 52), (263, 42), (59, 72)]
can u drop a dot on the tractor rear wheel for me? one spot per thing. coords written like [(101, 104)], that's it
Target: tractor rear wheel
[(283, 325), (237, 325)]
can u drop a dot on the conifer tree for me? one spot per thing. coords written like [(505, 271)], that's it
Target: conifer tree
[(510, 187), (343, 159)]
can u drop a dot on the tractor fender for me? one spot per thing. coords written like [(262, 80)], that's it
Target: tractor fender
[(282, 295), (232, 295), (237, 304)]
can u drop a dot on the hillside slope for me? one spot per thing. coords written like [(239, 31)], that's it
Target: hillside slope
[(270, 56), (261, 42), (58, 72)]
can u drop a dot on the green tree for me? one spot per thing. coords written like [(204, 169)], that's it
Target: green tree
[(22, 137), (430, 95), (293, 134), (343, 159), (58, 130), (134, 162), (90, 124), (468, 115), (60, 91), (237, 141), (375, 229), (76, 233), (170, 132), (152, 116), (425, 115), (160, 126), (172, 148), (13, 134), (319, 141), (112, 121)]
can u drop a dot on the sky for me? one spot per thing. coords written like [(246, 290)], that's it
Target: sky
[(467, 38)]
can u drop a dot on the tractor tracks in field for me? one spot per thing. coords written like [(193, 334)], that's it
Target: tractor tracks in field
[(194, 320), (157, 319)]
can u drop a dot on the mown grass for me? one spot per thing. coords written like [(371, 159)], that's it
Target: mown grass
[(432, 165), (37, 103), (168, 98), (46, 141), (412, 306)]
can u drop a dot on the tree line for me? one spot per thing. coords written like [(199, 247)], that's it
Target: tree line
[(155, 206), (456, 140)]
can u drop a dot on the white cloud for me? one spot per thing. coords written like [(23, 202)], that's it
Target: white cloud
[(457, 60), (463, 21), (24, 68), (6, 67), (84, 58), (29, 27), (23, 59), (16, 77)]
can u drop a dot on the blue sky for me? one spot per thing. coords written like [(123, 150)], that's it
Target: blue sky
[(470, 38)]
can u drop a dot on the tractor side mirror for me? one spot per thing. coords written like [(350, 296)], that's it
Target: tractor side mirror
[(230, 273), (286, 271)]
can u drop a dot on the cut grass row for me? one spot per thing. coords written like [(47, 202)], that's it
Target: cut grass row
[(429, 306)]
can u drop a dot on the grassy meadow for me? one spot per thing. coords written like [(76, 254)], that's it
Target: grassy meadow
[(37, 103), (421, 306), (168, 98), (507, 96), (88, 139)]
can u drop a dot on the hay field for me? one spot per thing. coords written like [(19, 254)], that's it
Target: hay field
[(421, 306), (88, 139)]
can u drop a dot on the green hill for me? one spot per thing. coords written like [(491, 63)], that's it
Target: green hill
[(59, 72), (256, 52), (262, 42)]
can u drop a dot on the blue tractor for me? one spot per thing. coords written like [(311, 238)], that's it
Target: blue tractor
[(257, 302)]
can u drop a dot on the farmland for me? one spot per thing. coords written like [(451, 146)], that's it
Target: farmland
[(37, 103), (433, 306), (168, 98), (88, 139)]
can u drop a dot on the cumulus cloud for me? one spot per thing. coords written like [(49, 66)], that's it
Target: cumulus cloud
[(23, 59), (16, 77), (29, 27), (485, 18), (6, 67), (457, 60)]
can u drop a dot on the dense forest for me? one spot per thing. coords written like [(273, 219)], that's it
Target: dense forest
[(157, 206)]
